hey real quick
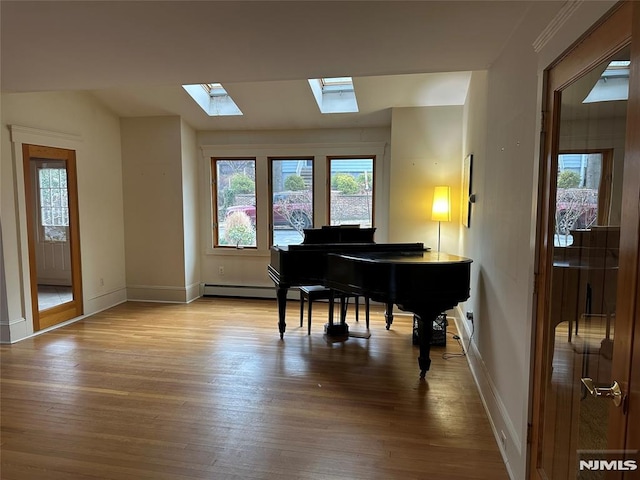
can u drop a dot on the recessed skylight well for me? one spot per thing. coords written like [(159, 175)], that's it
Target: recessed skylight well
[(213, 99), (334, 94)]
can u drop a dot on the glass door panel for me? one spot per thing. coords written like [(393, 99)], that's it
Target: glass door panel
[(584, 275)]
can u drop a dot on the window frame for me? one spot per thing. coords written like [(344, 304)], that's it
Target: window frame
[(214, 201), (606, 179), (271, 160), (50, 165), (373, 159)]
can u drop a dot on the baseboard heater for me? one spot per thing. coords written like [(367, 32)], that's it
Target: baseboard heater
[(249, 291), (245, 291)]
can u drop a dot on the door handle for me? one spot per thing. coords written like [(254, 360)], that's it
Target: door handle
[(613, 392)]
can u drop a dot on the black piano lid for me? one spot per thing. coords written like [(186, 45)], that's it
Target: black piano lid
[(404, 257), (364, 247)]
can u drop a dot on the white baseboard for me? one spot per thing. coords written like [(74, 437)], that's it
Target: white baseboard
[(508, 441), (13, 331), (163, 293), (102, 301)]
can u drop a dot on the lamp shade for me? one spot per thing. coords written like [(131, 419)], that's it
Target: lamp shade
[(441, 211)]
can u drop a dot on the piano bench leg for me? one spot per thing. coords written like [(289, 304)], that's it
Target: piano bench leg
[(301, 309)]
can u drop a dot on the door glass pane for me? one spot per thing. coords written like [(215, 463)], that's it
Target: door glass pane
[(53, 249), (292, 201), (54, 204), (584, 275)]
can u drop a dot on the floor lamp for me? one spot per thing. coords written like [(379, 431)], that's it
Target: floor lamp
[(441, 211)]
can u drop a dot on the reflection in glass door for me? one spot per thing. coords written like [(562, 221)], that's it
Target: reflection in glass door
[(584, 287)]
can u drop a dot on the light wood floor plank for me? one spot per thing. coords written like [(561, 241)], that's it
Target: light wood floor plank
[(209, 391)]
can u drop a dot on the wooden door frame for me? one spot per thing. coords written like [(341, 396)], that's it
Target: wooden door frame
[(74, 308), (631, 208), (612, 33)]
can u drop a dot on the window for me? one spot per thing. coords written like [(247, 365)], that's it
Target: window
[(213, 99), (583, 193), (352, 188), (234, 199), (292, 200), (336, 84), (54, 204), (334, 95)]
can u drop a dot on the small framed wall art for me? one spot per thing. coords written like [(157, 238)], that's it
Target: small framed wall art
[(466, 201)]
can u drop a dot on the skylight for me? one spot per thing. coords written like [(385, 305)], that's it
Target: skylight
[(337, 84), (613, 84), (214, 89), (213, 99), (334, 94)]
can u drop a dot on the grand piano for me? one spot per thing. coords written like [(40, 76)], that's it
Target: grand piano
[(347, 260)]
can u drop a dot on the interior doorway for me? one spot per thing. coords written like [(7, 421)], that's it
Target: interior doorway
[(53, 234), (588, 247)]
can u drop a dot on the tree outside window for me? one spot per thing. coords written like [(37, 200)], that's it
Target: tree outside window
[(578, 184)]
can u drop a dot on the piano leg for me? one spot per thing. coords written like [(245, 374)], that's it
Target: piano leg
[(281, 295), (388, 315), (426, 318)]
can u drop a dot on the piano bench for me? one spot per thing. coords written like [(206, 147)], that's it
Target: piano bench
[(319, 292)]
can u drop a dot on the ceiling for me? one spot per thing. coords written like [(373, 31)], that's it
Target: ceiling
[(135, 55)]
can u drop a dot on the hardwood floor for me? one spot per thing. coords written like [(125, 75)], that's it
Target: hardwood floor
[(209, 391)]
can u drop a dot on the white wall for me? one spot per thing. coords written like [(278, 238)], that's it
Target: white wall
[(153, 208), (95, 133), (426, 151), (191, 210)]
